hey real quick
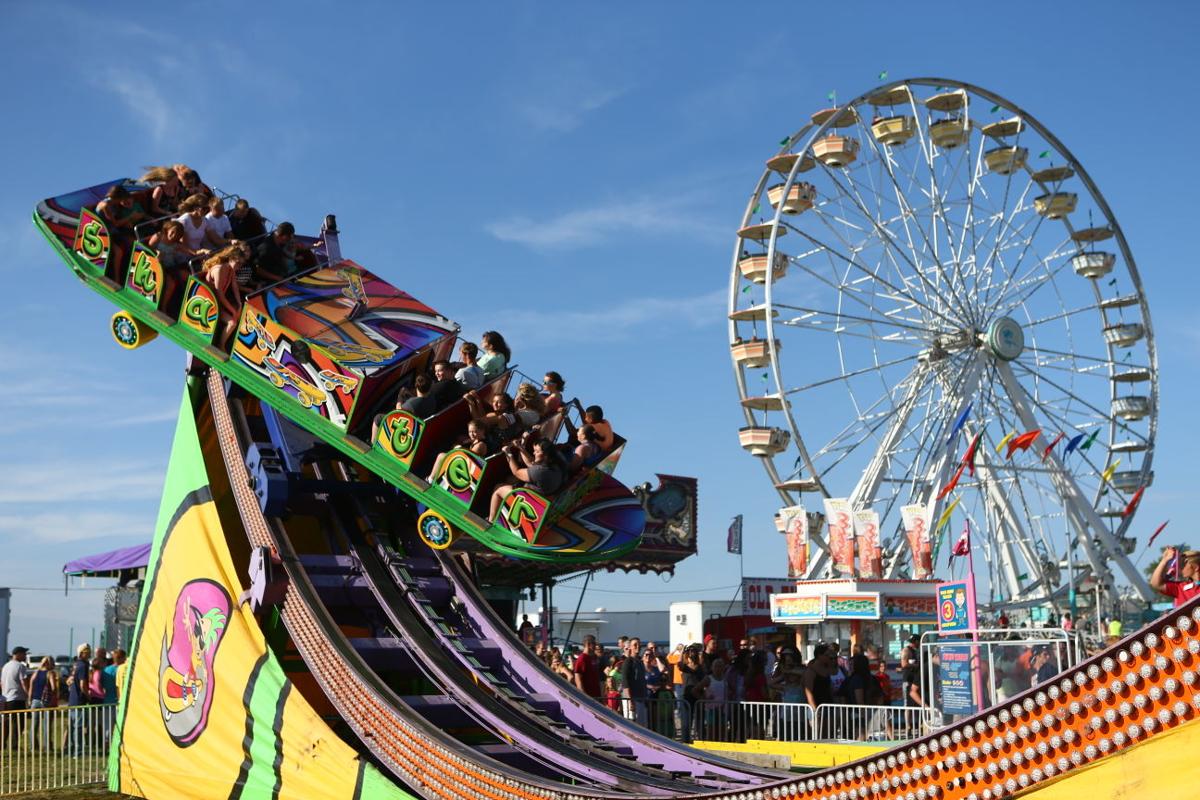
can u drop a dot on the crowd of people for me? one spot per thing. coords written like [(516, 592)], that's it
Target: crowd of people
[(91, 679), (692, 688), (523, 427), (180, 217)]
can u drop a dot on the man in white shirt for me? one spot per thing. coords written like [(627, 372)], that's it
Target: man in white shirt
[(14, 686), (470, 375), (217, 221)]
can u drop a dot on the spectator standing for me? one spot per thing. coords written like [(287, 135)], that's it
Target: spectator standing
[(910, 670), (1180, 591), (108, 679), (525, 630), (633, 682), (78, 695), (587, 668), (818, 690), (43, 693), (14, 687)]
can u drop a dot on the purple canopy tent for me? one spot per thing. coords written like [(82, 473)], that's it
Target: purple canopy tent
[(110, 564), (107, 565)]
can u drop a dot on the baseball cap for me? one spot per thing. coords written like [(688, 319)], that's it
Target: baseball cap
[(19, 650)]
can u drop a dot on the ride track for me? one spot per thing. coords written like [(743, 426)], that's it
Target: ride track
[(1137, 691)]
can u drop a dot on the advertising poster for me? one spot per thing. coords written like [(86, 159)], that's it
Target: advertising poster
[(795, 529), (916, 529), (797, 608), (956, 606), (954, 676), (866, 531), (841, 534)]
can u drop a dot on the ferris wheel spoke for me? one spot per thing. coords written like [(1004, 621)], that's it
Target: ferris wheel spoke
[(937, 205), (866, 271), (885, 320), (931, 289), (1101, 414), (864, 424), (1097, 359), (1033, 284), (1060, 316)]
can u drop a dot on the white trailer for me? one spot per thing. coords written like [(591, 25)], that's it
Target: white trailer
[(688, 616)]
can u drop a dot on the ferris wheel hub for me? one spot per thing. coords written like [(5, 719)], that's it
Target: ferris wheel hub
[(1005, 338)]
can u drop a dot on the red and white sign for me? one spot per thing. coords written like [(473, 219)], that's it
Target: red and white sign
[(756, 594)]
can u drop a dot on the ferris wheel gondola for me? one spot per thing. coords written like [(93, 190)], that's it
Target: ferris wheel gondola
[(950, 274)]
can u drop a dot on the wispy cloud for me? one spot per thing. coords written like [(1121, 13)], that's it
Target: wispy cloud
[(622, 320), (74, 526), (75, 480), (587, 227), (565, 109), (143, 99)]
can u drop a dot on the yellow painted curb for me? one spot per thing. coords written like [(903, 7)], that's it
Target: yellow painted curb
[(802, 754)]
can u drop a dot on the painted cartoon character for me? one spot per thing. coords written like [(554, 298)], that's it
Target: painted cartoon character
[(281, 376), (354, 286), (265, 341), (350, 351), (335, 380), (189, 648)]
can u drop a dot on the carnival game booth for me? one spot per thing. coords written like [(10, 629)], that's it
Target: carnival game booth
[(870, 613)]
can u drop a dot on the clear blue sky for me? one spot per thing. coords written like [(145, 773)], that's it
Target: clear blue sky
[(571, 175)]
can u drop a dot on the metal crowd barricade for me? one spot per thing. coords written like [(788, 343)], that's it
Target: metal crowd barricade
[(739, 721), (875, 723), (52, 748)]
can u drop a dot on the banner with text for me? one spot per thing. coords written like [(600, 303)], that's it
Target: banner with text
[(756, 594)]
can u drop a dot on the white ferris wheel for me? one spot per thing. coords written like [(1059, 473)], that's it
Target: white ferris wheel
[(928, 258)]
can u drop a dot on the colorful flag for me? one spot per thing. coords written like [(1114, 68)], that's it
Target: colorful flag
[(1133, 502), (733, 542), (1089, 441), (963, 545), (1005, 441), (832, 96), (1106, 476), (1044, 154), (1023, 441), (1157, 531), (949, 487), (883, 75), (1073, 443), (945, 517), (783, 142), (1049, 447), (958, 423), (969, 456)]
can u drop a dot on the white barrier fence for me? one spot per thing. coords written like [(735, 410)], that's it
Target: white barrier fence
[(52, 748), (784, 722)]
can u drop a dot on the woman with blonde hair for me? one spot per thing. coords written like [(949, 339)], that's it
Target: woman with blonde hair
[(530, 404), (165, 199), (224, 271)]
